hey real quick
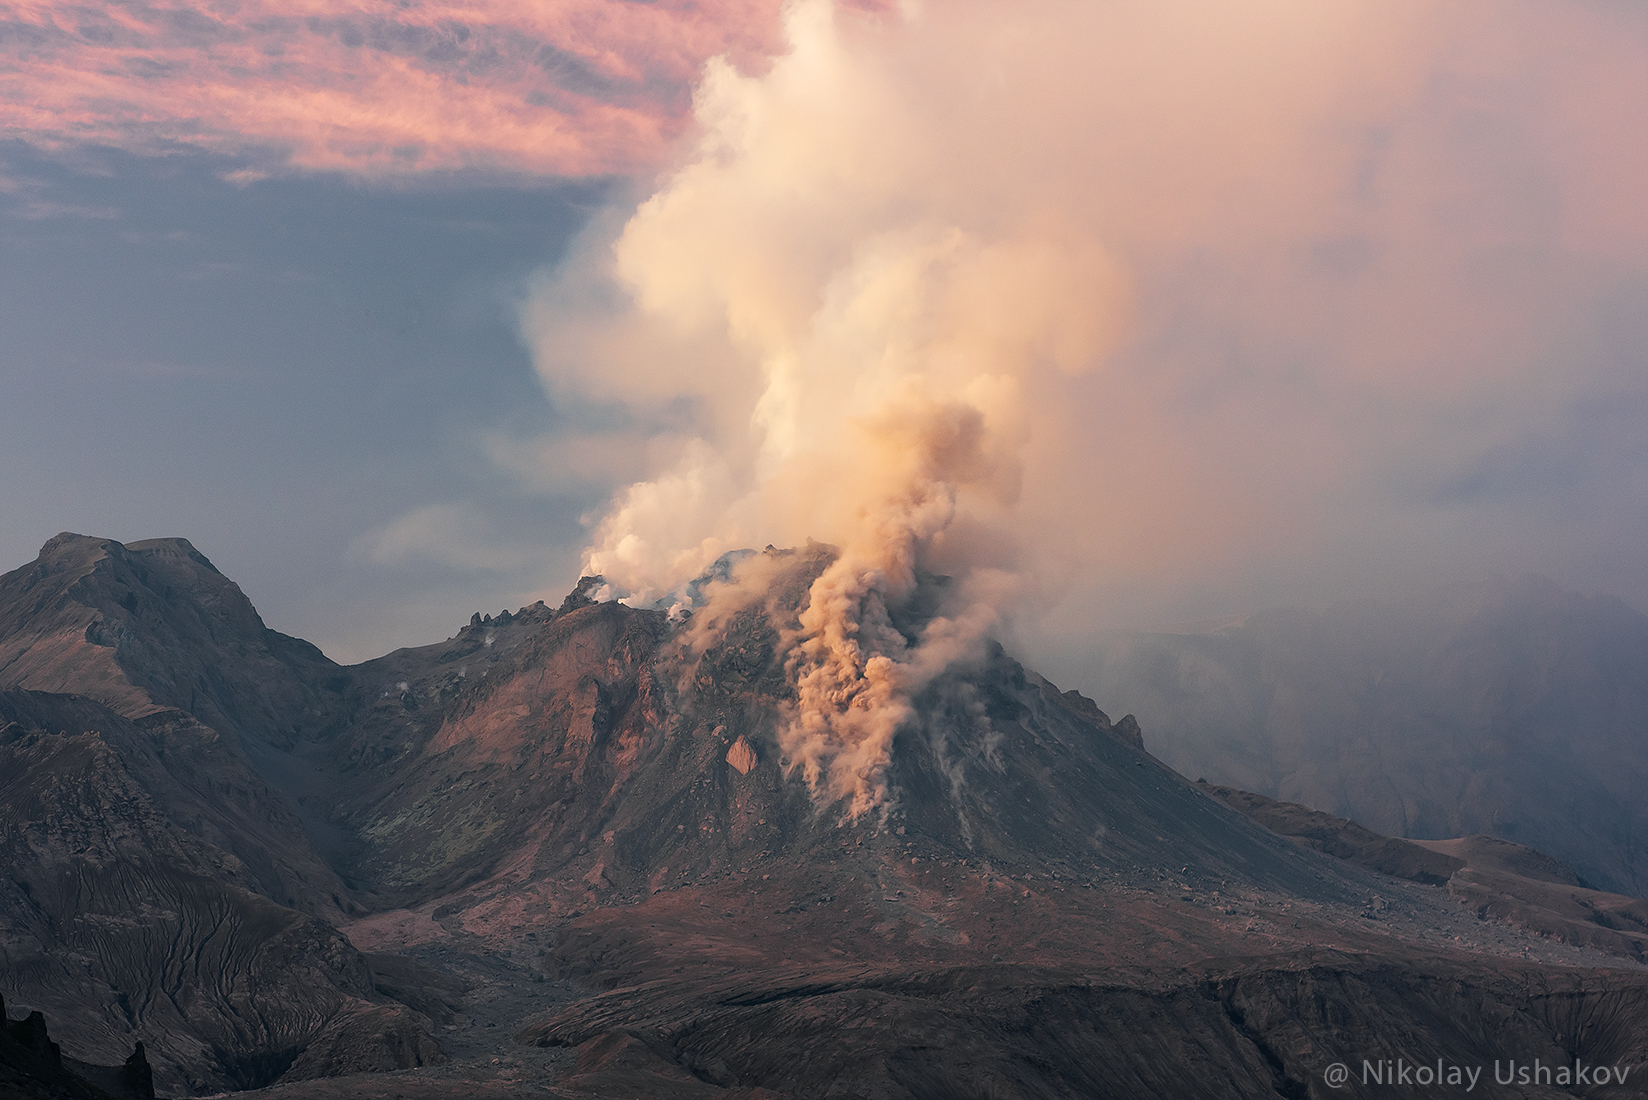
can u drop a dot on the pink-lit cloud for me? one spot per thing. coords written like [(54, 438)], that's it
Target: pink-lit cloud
[(373, 87)]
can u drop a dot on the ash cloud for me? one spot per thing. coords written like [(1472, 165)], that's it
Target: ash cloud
[(1216, 301), (859, 367)]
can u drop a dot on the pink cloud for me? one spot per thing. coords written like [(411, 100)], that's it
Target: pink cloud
[(385, 89)]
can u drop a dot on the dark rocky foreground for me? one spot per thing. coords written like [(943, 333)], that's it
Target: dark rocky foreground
[(560, 854), (32, 1067)]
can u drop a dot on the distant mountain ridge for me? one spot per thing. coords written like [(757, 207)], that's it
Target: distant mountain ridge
[(1505, 707), (1494, 877)]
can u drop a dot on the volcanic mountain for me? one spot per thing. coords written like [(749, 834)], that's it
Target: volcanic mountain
[(582, 824)]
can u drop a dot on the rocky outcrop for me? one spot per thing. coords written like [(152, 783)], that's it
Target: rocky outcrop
[(32, 1067), (131, 1080), (1127, 730)]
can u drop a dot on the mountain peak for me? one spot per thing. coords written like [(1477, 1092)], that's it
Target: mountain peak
[(179, 548), (149, 626), (65, 540)]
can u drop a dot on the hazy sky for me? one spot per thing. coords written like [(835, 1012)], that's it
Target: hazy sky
[(1260, 302)]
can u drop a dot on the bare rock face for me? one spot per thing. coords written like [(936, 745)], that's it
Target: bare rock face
[(1019, 925), (169, 645), (587, 752), (157, 883), (375, 1040), (1209, 1032)]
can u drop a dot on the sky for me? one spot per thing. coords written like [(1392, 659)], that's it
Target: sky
[(1126, 313)]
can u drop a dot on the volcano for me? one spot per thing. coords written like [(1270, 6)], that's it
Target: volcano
[(574, 849)]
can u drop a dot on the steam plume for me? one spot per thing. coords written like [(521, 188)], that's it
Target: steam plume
[(1160, 282), (865, 373)]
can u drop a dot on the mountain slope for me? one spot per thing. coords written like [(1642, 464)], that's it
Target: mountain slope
[(158, 886), (1229, 1028), (158, 636), (1509, 708), (1018, 926), (597, 757), (1494, 877), (121, 924), (151, 625)]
